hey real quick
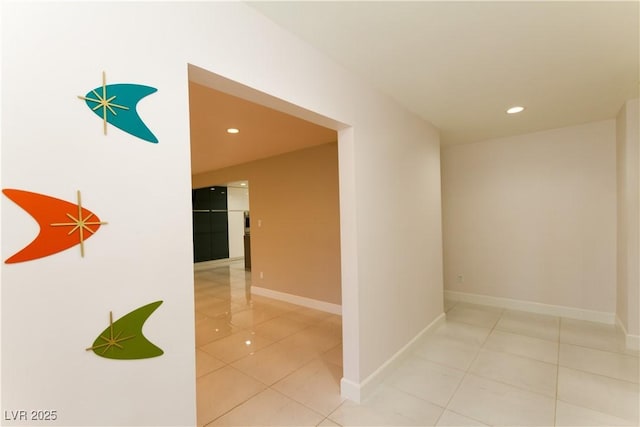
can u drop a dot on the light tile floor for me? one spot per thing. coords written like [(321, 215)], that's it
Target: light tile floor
[(263, 362)]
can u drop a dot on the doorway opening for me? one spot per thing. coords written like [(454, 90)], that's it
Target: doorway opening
[(260, 331)]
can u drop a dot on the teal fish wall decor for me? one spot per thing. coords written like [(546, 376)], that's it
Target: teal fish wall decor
[(116, 104)]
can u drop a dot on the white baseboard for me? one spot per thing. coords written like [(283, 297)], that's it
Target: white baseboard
[(359, 392), (204, 265), (632, 342), (298, 300), (350, 390), (533, 307)]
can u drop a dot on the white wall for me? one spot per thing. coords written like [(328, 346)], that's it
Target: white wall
[(237, 203), (391, 270), (533, 217), (53, 308), (628, 180)]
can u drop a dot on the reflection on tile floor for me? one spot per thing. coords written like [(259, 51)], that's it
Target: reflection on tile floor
[(262, 362)]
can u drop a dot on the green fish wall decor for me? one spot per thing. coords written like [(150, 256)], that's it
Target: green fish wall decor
[(123, 338)]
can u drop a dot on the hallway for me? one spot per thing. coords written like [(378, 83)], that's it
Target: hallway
[(265, 362)]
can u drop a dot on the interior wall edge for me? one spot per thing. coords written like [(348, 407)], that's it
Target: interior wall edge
[(632, 342), (359, 392)]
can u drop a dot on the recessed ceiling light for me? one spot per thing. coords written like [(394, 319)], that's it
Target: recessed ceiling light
[(232, 130), (243, 184), (514, 110)]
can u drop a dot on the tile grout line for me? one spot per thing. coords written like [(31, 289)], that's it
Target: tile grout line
[(232, 408), (241, 329), (271, 387), (466, 372), (241, 403), (521, 388), (599, 375), (603, 350), (599, 411), (516, 355), (317, 358), (502, 382), (555, 401), (267, 387), (587, 372), (314, 323), (558, 342), (315, 411)]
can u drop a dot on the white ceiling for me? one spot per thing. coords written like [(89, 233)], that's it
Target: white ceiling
[(460, 65)]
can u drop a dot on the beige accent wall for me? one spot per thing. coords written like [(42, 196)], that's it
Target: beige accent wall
[(533, 217), (628, 188), (295, 220)]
